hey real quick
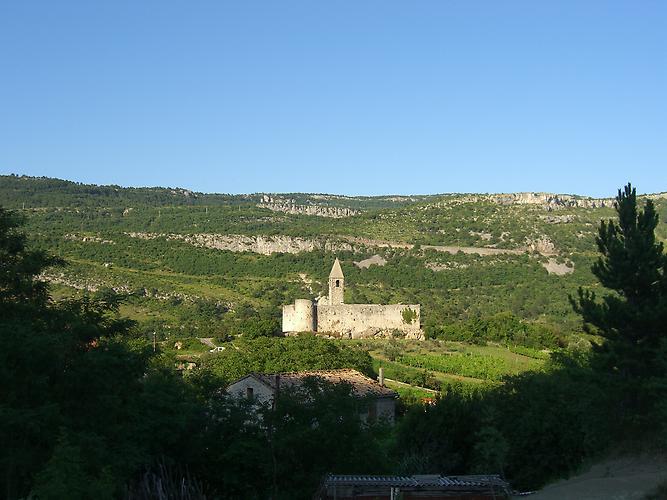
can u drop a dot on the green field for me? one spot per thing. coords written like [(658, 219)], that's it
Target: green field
[(438, 364)]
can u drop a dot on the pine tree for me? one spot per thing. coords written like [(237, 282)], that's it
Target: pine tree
[(633, 319)]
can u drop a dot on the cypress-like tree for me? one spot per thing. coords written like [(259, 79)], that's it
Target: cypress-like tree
[(633, 319)]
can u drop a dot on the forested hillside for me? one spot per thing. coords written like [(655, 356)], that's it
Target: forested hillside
[(212, 263)]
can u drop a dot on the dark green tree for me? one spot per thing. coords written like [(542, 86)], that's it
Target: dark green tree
[(314, 429), (632, 319), (19, 265), (80, 405)]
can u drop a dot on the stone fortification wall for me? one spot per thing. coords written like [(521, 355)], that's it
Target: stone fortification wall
[(358, 318), (299, 317)]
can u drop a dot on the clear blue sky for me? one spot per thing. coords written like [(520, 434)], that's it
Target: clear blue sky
[(354, 97)]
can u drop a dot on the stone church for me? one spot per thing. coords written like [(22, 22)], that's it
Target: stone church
[(332, 316)]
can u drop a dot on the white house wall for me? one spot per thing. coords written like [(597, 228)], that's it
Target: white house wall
[(261, 393)]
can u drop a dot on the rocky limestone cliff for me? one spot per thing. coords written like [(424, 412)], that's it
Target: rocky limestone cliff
[(88, 239), (265, 245), (542, 245), (289, 206), (547, 201)]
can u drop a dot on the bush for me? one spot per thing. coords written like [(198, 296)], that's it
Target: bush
[(283, 354), (502, 327)]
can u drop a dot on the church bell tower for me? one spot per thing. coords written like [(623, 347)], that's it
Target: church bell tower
[(336, 284)]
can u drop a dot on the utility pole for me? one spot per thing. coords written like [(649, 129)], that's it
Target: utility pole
[(154, 342)]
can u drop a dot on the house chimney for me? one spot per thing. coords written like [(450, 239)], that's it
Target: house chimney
[(381, 376)]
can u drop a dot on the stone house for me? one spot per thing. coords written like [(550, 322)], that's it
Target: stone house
[(262, 388), (331, 315)]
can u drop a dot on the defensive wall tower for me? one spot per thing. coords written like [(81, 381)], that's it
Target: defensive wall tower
[(299, 317)]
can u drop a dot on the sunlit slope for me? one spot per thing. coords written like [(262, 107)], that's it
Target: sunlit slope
[(460, 256)]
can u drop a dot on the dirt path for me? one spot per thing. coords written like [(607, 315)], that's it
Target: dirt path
[(403, 384), (208, 341), (441, 376), (438, 248), (366, 263), (628, 478), (474, 250), (553, 267)]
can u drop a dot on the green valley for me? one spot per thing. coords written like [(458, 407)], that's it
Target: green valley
[(193, 262)]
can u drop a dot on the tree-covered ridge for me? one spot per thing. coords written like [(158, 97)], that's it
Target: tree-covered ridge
[(39, 192), (447, 220), (171, 278)]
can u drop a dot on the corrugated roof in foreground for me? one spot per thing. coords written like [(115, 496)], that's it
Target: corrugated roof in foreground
[(431, 480)]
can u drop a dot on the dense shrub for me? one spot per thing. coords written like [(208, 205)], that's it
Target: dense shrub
[(536, 427), (505, 328), (265, 354)]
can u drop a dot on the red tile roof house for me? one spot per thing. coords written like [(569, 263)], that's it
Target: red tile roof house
[(262, 387)]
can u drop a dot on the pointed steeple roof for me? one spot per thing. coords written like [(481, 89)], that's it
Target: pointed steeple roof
[(336, 271)]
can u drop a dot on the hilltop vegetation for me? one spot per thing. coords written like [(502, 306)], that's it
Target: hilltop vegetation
[(177, 284)]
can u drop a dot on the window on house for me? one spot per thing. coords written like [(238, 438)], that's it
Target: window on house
[(249, 392), (337, 283)]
